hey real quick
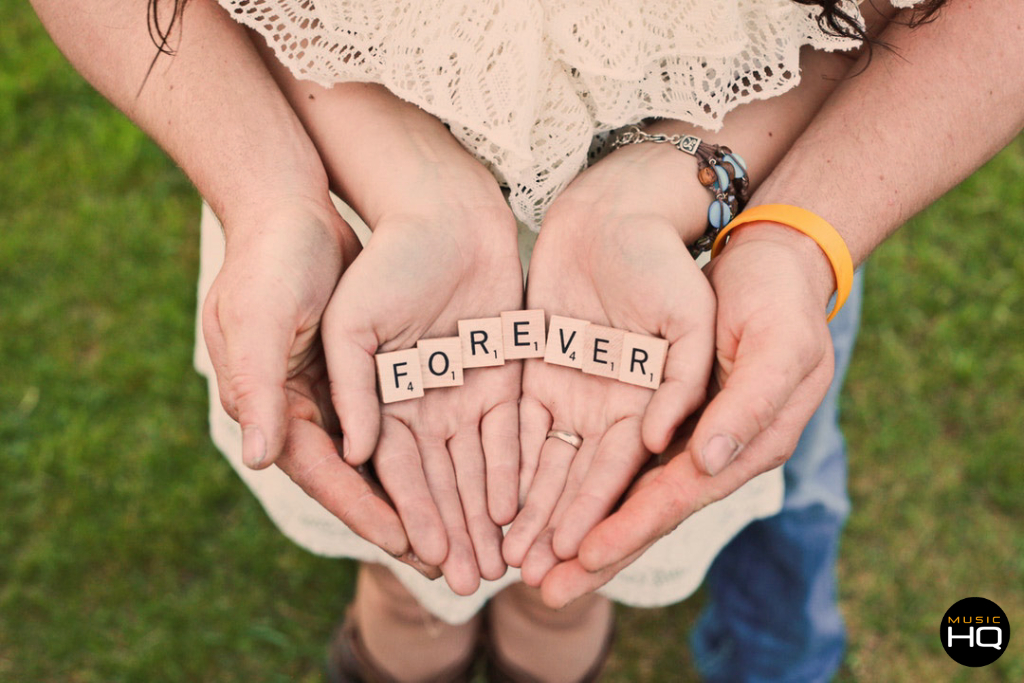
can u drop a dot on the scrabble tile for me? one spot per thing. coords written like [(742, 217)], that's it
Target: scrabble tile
[(482, 346), (522, 333), (440, 362), (602, 351), (643, 360), (565, 342), (399, 376)]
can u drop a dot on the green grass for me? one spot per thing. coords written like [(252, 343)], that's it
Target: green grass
[(129, 551)]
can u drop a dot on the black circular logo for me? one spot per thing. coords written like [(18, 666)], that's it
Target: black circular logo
[(974, 632)]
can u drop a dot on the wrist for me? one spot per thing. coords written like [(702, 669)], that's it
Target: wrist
[(477, 236), (295, 183), (391, 161), (815, 265), (305, 220), (635, 185)]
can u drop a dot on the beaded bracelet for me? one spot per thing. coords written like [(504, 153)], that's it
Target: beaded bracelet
[(719, 169)]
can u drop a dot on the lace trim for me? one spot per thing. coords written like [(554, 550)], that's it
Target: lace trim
[(526, 85)]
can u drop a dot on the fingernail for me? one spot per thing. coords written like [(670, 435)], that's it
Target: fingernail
[(566, 601), (346, 447), (719, 452), (254, 447)]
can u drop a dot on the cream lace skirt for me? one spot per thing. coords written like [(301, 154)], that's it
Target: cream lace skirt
[(669, 571)]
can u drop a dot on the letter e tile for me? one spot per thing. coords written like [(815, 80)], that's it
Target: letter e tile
[(602, 351), (523, 334)]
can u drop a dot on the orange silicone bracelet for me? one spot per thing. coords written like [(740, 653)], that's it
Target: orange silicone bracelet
[(810, 224)]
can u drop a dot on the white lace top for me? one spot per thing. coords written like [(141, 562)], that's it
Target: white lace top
[(526, 85)]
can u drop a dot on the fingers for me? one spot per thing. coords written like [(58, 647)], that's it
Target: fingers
[(409, 557), (766, 373), (401, 474), (687, 369), (419, 565), (649, 513), (312, 461), (619, 457), (545, 491), (569, 580), (541, 556), (352, 372), (534, 424), (468, 458), (669, 495), (499, 431), (459, 567), (249, 347), (539, 559)]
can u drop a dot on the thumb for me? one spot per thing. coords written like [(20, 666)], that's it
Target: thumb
[(249, 345), (687, 368), (353, 376), (767, 370)]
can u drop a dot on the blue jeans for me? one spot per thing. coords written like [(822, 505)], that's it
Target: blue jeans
[(773, 612)]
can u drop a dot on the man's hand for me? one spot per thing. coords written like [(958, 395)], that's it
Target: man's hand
[(261, 320), (774, 363)]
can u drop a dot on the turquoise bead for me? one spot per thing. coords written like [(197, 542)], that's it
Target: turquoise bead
[(719, 214), (723, 178), (737, 162)]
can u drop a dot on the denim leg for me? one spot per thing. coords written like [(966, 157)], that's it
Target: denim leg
[(773, 612)]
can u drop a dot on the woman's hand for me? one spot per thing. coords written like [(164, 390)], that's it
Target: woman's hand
[(774, 363), (447, 251), (610, 253)]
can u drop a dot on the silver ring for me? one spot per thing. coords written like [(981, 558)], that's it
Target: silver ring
[(573, 440)]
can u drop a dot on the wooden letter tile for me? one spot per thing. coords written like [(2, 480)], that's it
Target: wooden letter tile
[(441, 362), (602, 351), (523, 334), (398, 375), (481, 343), (565, 342), (643, 360)]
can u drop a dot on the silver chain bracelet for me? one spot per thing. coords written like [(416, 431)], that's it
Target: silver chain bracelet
[(719, 169)]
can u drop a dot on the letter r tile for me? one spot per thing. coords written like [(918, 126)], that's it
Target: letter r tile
[(523, 334), (441, 362), (565, 342), (602, 351), (481, 341), (643, 360), (398, 375)]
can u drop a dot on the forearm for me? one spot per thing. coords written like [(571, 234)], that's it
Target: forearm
[(213, 106), (382, 152), (917, 121)]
